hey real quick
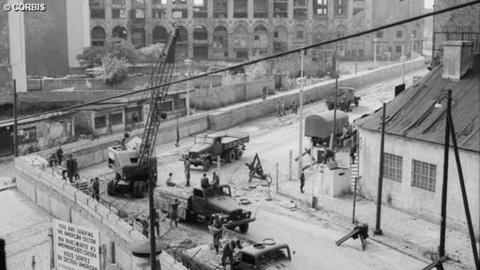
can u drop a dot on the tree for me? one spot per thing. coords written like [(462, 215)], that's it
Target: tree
[(151, 53), (119, 48), (115, 70)]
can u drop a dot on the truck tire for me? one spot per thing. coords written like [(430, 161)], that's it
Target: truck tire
[(356, 102), (111, 190), (330, 106), (239, 153), (243, 228), (231, 155), (206, 165)]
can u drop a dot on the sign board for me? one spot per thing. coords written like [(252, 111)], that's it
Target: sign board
[(75, 247)]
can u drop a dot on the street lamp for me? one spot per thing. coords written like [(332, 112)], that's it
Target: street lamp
[(375, 40), (413, 46), (301, 81), (188, 63)]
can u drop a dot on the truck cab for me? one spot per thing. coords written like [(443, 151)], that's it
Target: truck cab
[(263, 257), (345, 98)]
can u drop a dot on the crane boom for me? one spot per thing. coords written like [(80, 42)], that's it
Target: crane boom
[(161, 76)]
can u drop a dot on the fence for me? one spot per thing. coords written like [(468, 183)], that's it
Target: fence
[(459, 33)]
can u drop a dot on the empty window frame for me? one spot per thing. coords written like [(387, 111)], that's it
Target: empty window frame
[(200, 9), (340, 7), (240, 8), (280, 8), (100, 122), (260, 9), (220, 9)]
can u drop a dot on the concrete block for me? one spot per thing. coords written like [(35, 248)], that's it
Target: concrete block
[(59, 209), (81, 197), (43, 198)]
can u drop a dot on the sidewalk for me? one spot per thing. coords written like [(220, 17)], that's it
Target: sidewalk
[(401, 231)]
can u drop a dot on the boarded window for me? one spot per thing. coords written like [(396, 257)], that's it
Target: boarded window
[(240, 8), (180, 13), (424, 175), (392, 167), (260, 9), (280, 8), (116, 119), (100, 122), (220, 8), (133, 115)]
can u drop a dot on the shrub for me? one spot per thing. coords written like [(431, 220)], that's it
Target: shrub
[(91, 56), (119, 48), (114, 70)]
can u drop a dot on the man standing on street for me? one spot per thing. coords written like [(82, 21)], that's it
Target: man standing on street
[(59, 155), (302, 182), (204, 181), (279, 110)]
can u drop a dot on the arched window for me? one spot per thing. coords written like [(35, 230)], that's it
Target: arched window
[(200, 42), (98, 36), (138, 37), (280, 37), (200, 33), (220, 42), (159, 35), (119, 32)]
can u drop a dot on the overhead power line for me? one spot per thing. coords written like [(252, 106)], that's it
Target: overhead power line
[(315, 45)]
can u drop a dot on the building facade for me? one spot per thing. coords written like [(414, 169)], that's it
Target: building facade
[(239, 29)]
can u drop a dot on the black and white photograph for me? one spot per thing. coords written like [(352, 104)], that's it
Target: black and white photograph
[(239, 134)]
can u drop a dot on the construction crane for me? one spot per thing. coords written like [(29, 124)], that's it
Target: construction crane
[(134, 165)]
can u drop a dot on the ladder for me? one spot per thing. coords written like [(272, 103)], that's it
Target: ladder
[(355, 167)]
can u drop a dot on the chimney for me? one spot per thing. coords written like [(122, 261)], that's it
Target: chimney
[(457, 58)]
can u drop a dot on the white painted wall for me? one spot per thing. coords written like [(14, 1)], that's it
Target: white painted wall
[(78, 29), (416, 201), (16, 33)]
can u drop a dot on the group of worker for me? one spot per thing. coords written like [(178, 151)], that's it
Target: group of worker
[(204, 182), (71, 170), (230, 248), (281, 110)]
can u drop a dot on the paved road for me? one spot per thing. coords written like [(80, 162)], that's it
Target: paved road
[(312, 240)]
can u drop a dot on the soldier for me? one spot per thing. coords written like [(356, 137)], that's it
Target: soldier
[(227, 253), (216, 228), (59, 155), (294, 107), (279, 110), (174, 212), (70, 168), (124, 140), (96, 189), (204, 182), (264, 93), (302, 182)]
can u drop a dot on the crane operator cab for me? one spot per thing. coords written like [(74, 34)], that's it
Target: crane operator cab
[(129, 178)]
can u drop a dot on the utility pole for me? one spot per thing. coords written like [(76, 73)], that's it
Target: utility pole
[(375, 53), (301, 81), (335, 103), (188, 63), (15, 132), (413, 46), (152, 179), (377, 230), (443, 210)]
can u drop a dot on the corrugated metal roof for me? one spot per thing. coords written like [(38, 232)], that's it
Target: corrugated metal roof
[(412, 114)]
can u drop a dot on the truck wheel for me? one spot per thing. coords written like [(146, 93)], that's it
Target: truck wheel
[(239, 154), (330, 106), (356, 102), (243, 228), (232, 155), (111, 190), (206, 165)]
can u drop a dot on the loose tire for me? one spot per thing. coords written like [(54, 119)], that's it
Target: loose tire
[(206, 165), (239, 153), (232, 155), (243, 228), (111, 190)]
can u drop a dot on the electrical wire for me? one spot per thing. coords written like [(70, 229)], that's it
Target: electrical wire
[(254, 61)]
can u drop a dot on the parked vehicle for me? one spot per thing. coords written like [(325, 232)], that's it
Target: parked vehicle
[(209, 146), (254, 256), (345, 98), (197, 204), (319, 127)]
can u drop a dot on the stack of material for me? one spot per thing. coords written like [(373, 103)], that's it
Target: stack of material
[(219, 120)]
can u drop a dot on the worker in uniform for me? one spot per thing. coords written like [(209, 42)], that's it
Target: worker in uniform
[(204, 181), (215, 180), (59, 155), (174, 212), (70, 164), (294, 107), (302, 182), (170, 181), (279, 110), (124, 140), (264, 93), (216, 228), (96, 189), (227, 253)]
